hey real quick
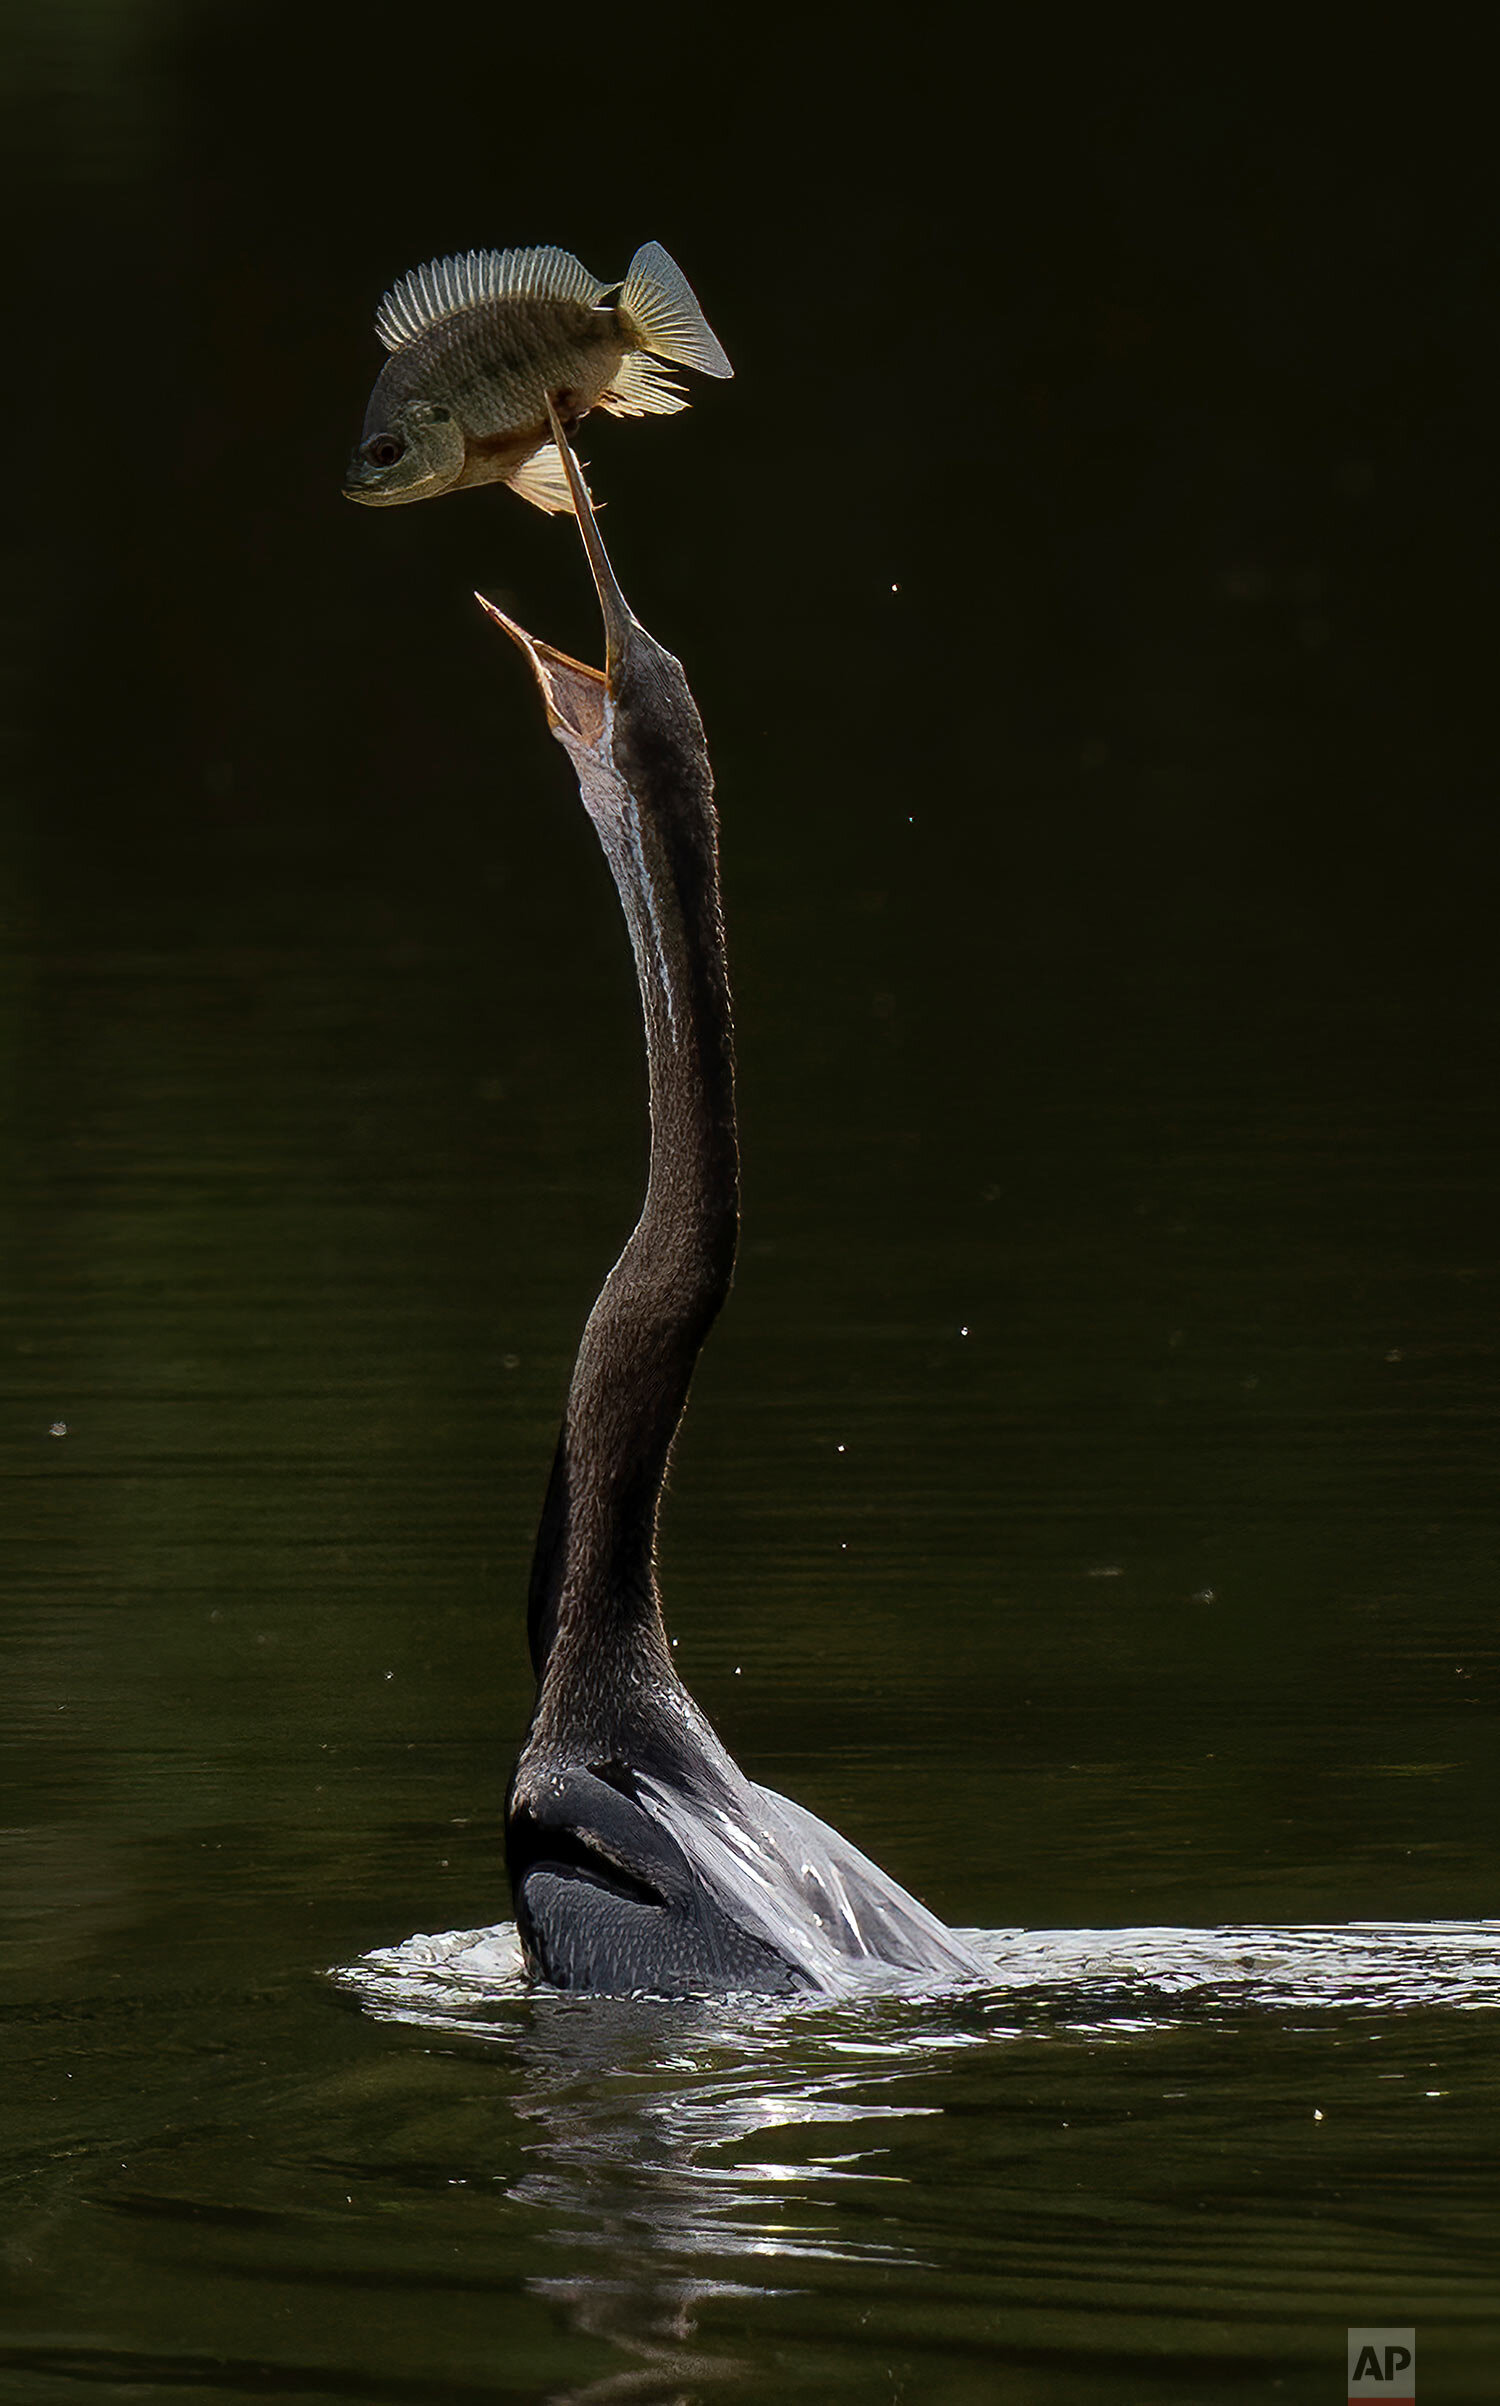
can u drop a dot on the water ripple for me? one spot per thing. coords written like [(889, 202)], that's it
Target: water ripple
[(1112, 1980)]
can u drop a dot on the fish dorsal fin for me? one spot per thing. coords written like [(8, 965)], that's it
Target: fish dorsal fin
[(445, 286), (661, 310), (641, 389), (543, 481)]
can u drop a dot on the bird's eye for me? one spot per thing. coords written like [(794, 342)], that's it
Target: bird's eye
[(383, 450)]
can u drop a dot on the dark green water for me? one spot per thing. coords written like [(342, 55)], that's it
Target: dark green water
[(1088, 1502)]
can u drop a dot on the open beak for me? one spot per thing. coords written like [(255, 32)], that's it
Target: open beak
[(573, 694)]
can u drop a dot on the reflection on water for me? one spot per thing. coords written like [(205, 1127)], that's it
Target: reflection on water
[(722, 2130), (1147, 2165)]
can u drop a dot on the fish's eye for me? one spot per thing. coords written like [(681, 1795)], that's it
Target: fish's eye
[(383, 450)]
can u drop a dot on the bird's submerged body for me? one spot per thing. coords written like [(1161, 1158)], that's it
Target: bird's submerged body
[(479, 346), (659, 1866), (642, 1858)]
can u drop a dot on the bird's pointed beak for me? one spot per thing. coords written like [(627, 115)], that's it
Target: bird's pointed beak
[(619, 618), (572, 694)]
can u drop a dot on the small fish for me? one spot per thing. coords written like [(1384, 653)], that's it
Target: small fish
[(479, 345)]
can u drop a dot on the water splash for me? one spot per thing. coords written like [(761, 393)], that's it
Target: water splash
[(1083, 1979)]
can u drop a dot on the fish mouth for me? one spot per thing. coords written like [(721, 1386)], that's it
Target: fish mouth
[(364, 483), (380, 488)]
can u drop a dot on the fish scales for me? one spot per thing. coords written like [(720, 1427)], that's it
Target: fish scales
[(496, 364), (480, 343)]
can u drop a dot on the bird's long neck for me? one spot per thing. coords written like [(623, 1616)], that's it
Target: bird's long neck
[(595, 1619)]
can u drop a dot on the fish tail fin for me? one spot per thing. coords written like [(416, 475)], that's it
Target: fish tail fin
[(661, 313)]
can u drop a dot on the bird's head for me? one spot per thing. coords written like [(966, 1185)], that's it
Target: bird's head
[(631, 729)]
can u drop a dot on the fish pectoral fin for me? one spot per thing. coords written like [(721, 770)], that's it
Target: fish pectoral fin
[(661, 310), (642, 389), (543, 481)]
